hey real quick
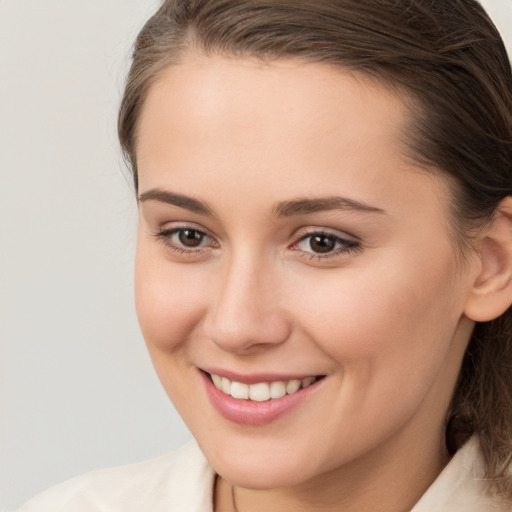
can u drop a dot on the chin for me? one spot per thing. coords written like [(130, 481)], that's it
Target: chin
[(261, 467)]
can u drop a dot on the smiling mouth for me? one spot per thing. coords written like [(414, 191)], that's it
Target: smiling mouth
[(261, 391)]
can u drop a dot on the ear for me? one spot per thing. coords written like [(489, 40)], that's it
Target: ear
[(491, 294)]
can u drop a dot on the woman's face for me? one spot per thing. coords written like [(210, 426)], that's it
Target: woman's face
[(284, 241)]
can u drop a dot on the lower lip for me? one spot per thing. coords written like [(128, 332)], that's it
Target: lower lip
[(249, 412)]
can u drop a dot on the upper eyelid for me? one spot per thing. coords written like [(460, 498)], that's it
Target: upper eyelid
[(342, 235), (323, 233), (185, 225)]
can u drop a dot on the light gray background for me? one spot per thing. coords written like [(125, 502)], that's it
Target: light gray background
[(77, 389)]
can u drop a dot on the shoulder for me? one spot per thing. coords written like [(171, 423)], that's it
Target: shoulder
[(180, 481), (461, 487)]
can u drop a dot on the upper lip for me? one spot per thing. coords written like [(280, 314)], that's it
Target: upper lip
[(254, 378)]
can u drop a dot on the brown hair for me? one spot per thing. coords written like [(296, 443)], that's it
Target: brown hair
[(448, 57)]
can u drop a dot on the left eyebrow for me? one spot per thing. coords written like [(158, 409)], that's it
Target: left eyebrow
[(305, 206)]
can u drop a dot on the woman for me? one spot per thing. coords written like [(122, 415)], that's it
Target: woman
[(324, 259)]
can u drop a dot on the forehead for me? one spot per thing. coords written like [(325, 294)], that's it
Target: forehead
[(221, 123), (246, 95)]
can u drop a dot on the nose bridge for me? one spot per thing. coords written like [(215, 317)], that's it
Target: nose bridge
[(246, 311)]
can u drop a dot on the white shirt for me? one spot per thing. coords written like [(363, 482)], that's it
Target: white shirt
[(183, 482)]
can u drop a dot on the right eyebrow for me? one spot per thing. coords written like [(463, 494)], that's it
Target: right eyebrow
[(189, 203)]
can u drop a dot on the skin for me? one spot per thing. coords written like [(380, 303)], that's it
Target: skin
[(381, 315)]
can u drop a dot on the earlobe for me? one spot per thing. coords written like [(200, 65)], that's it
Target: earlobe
[(491, 294)]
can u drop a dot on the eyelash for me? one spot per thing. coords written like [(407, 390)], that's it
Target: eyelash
[(347, 246), (165, 236)]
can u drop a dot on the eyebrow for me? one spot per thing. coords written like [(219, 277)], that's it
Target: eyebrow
[(289, 208), (305, 206), (189, 203)]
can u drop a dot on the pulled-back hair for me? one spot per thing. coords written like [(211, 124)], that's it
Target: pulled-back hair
[(448, 61)]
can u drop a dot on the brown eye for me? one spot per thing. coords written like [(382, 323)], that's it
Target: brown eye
[(322, 243), (190, 237)]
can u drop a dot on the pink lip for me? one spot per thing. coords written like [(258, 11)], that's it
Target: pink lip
[(248, 412)]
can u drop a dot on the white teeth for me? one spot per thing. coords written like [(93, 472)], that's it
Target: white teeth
[(307, 382), (259, 392), (262, 391), (239, 390), (277, 389), (226, 386), (292, 386), (217, 381)]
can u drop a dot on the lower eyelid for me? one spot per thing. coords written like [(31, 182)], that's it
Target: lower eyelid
[(336, 253), (343, 247)]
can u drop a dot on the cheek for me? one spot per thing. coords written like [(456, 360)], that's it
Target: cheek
[(168, 300), (404, 312), (390, 336)]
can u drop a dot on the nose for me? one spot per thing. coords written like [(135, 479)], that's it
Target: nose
[(246, 314)]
